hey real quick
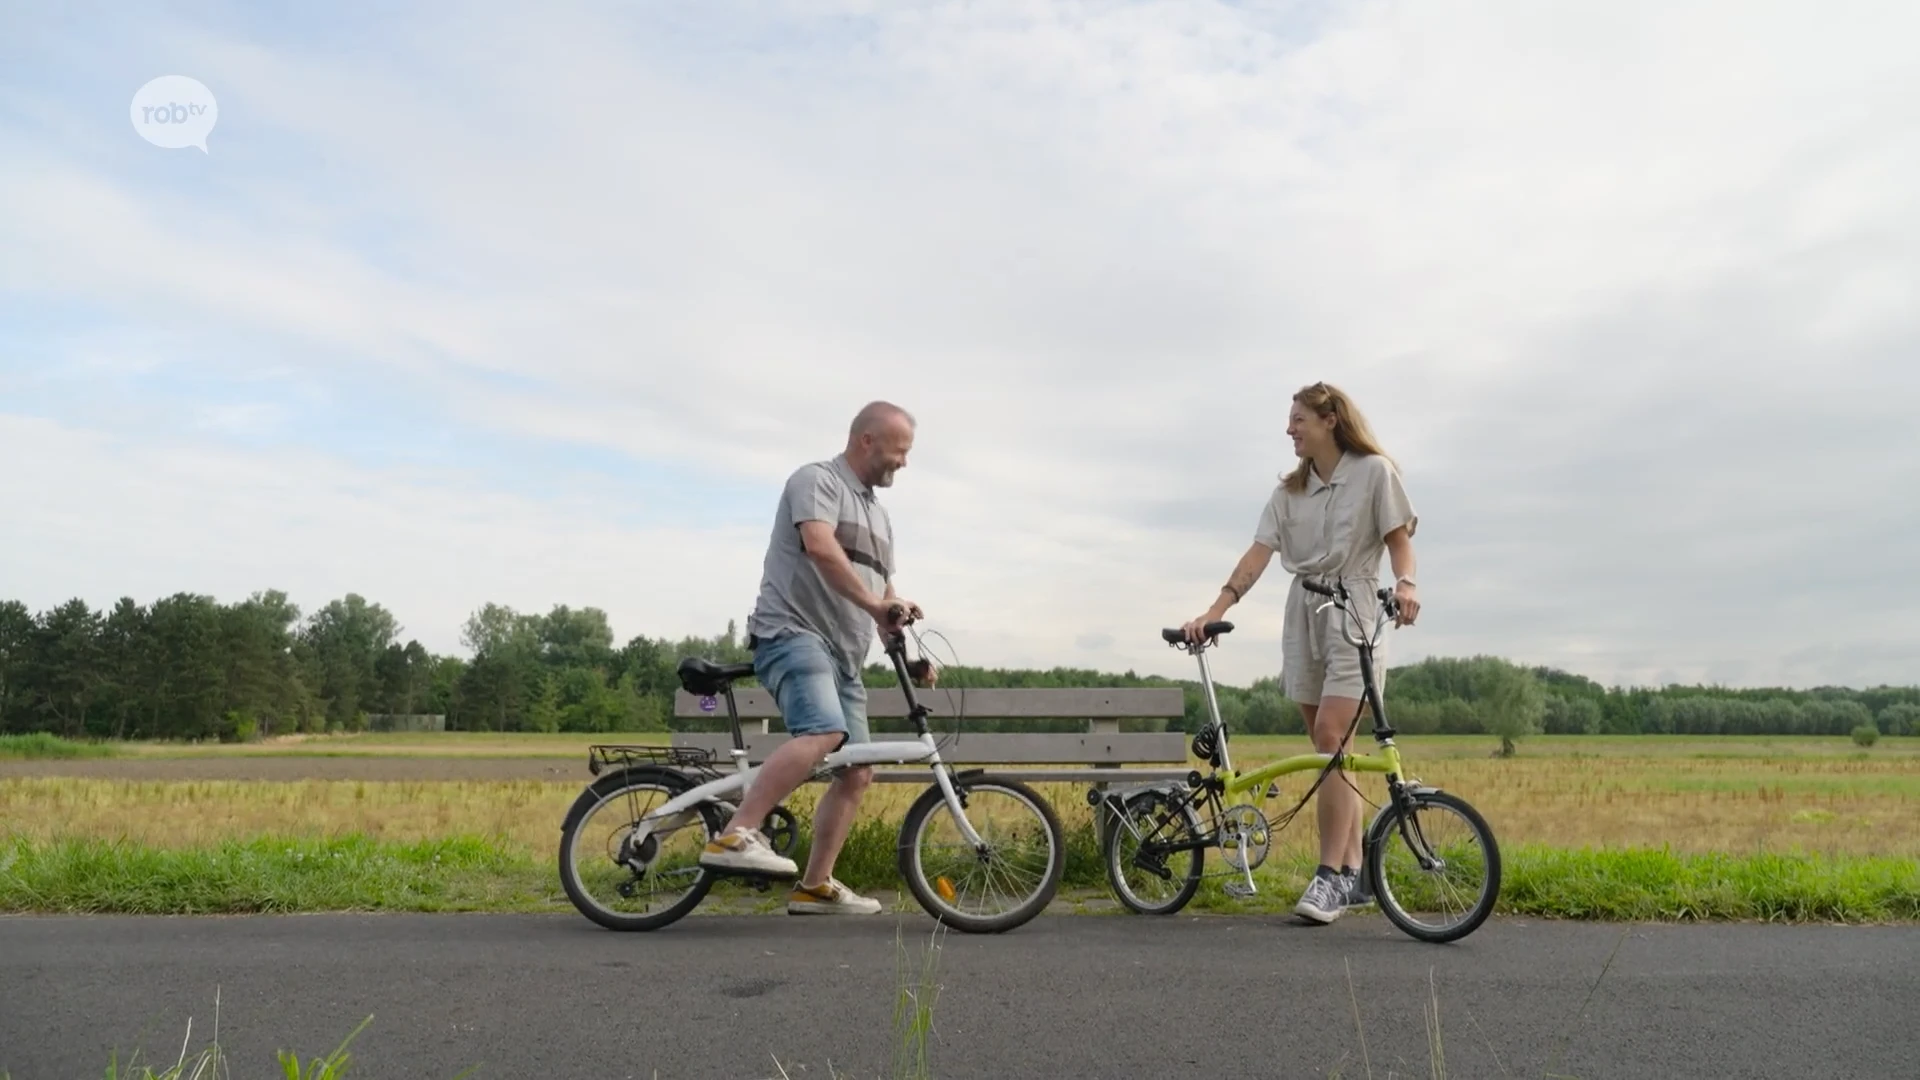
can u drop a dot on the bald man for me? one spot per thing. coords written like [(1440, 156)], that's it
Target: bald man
[(826, 589)]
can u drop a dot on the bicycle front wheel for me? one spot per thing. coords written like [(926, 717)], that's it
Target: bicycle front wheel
[(1435, 870), (1011, 877)]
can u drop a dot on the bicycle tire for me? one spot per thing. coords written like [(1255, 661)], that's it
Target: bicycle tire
[(1387, 834), (1111, 859), (605, 790), (914, 872)]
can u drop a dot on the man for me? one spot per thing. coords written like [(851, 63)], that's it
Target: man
[(826, 587)]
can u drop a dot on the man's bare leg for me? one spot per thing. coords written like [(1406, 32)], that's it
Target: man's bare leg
[(784, 770), (833, 820)]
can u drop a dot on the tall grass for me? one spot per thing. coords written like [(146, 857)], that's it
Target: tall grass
[(40, 745), (914, 1001)]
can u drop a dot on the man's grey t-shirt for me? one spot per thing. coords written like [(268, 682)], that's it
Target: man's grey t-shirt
[(793, 594)]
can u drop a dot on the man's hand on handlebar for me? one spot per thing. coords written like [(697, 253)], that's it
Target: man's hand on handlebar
[(894, 615)]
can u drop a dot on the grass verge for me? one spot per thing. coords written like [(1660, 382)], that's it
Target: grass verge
[(273, 874), (211, 1062), (470, 873), (41, 745)]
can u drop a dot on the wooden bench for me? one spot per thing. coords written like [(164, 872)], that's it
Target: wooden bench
[(1102, 751)]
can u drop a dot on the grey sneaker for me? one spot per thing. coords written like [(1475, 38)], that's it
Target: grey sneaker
[(1324, 900), (1357, 894)]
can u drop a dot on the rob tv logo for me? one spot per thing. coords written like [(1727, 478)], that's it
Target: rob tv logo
[(174, 111)]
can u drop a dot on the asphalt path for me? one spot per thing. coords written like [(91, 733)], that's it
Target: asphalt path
[(1066, 997)]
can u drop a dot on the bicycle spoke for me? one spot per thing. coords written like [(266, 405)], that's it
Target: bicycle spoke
[(1437, 874), (1011, 870)]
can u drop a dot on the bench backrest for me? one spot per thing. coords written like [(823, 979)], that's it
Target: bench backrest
[(1103, 743)]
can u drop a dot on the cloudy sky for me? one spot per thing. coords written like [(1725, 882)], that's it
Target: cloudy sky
[(469, 304)]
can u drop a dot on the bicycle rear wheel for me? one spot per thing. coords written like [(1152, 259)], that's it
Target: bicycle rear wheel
[(1145, 878), (1435, 871), (1001, 885), (624, 887)]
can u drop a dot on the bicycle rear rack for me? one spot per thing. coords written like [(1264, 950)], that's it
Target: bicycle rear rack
[(697, 759)]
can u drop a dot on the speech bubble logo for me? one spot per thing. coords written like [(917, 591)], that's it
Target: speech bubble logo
[(175, 112)]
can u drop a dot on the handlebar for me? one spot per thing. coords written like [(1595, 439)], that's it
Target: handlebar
[(1389, 607)]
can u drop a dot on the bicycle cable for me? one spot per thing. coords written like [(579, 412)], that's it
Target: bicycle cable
[(959, 711), (1284, 819)]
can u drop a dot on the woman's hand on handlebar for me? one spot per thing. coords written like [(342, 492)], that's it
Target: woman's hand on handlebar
[(1408, 598)]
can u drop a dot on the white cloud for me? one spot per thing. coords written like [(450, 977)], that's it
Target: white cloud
[(102, 517), (1093, 247)]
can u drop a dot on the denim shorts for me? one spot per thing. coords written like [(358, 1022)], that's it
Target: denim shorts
[(815, 696)]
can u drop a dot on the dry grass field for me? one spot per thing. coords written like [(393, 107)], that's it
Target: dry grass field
[(1720, 794)]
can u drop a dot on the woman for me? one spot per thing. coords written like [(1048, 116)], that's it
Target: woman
[(1331, 517)]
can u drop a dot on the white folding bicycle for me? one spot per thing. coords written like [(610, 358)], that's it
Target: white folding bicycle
[(981, 853)]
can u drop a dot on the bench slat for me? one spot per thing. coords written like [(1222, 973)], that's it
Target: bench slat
[(910, 775), (756, 703), (999, 748)]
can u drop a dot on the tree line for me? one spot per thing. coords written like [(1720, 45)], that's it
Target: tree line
[(189, 667)]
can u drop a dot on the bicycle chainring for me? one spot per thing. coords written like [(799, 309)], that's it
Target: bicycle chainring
[(781, 829), (1245, 836)]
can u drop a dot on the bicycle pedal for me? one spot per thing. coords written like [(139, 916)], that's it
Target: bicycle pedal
[(1239, 889)]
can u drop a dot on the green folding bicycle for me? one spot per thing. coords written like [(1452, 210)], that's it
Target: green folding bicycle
[(1428, 857)]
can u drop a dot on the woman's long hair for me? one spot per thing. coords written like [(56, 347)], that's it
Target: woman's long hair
[(1350, 431)]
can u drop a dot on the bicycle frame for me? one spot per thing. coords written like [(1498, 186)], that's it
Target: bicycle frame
[(1231, 783), (1224, 786), (681, 809)]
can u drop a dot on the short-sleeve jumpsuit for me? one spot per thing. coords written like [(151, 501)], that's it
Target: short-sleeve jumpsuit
[(1336, 527)]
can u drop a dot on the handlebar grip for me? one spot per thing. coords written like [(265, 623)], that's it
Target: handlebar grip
[(1313, 586)]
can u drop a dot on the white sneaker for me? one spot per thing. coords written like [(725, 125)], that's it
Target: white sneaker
[(746, 850), (831, 898)]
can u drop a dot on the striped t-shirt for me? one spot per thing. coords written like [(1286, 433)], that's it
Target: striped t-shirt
[(794, 596)]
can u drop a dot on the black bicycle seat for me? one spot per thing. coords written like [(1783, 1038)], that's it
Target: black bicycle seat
[(706, 677), (1174, 635)]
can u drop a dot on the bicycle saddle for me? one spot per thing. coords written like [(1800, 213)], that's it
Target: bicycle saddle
[(1174, 635), (706, 677)]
